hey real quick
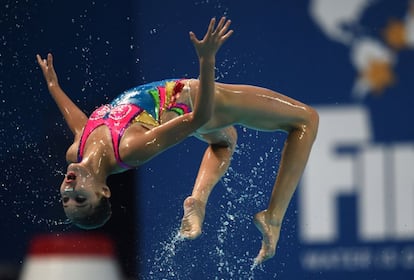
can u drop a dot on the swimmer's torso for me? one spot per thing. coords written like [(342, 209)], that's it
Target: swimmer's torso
[(140, 108), (157, 101)]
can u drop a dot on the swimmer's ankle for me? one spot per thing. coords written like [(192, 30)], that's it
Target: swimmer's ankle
[(191, 200), (270, 218), (198, 198)]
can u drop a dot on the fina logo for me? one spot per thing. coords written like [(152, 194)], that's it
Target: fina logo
[(345, 159)]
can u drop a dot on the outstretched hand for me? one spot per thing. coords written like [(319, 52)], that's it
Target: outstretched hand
[(213, 39), (48, 70)]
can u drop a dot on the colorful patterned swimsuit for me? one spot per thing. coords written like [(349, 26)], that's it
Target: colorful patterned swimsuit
[(145, 103)]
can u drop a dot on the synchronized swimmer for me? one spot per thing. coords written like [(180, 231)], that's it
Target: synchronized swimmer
[(144, 121)]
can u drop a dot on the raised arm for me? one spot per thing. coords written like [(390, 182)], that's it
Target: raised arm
[(206, 51), (160, 138), (74, 117)]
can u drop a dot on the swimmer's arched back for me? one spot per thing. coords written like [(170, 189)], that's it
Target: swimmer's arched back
[(145, 121)]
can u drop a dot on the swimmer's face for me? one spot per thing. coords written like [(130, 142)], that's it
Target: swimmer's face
[(80, 192)]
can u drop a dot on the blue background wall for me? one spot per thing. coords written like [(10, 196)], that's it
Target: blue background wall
[(103, 48)]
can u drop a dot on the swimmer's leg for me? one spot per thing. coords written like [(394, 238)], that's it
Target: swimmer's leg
[(294, 157), (264, 109), (215, 163)]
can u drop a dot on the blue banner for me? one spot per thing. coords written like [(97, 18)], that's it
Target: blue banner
[(352, 215)]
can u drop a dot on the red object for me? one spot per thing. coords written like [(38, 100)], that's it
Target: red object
[(72, 244)]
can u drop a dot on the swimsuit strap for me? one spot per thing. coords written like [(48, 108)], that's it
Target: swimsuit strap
[(95, 120), (119, 119)]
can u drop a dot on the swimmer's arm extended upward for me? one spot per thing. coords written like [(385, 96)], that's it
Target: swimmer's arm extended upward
[(206, 51), (158, 139), (74, 117)]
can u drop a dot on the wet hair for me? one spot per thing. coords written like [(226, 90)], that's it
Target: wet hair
[(95, 218)]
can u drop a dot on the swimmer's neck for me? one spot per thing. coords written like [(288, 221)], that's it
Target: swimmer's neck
[(99, 162)]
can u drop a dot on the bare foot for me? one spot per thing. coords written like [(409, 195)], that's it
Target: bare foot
[(193, 218), (270, 231)]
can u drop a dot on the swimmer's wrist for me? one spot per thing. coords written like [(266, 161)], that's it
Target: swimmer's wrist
[(207, 59), (54, 88)]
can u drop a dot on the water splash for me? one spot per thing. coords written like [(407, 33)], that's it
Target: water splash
[(230, 241), (165, 258)]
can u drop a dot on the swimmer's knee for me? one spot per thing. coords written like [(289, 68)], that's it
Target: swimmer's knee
[(308, 122), (312, 122)]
